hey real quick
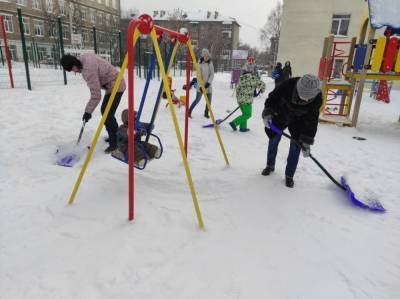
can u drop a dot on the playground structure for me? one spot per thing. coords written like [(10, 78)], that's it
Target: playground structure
[(367, 58), (144, 25)]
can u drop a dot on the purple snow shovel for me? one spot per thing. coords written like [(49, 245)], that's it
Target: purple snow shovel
[(220, 121), (370, 204), (68, 157)]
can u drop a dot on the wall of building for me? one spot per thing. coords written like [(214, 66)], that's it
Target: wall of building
[(306, 23)]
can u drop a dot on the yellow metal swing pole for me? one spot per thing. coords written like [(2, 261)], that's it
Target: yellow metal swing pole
[(177, 130), (200, 81), (101, 124)]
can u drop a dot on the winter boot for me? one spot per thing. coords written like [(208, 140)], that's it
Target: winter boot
[(110, 148), (289, 182), (139, 157), (233, 126), (244, 130), (118, 154), (267, 170), (152, 151), (206, 114)]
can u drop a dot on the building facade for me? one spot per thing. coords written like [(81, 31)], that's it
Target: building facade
[(306, 23), (207, 30), (40, 22)]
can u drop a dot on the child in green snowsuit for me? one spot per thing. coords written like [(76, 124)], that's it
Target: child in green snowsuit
[(245, 91)]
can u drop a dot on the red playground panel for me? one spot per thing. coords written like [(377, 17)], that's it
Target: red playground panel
[(390, 55)]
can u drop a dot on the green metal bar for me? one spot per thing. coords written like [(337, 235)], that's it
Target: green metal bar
[(2, 57), (60, 36), (25, 54), (94, 40), (38, 54), (120, 48)]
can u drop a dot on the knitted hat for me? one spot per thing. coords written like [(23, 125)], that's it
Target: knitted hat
[(308, 87), (205, 52)]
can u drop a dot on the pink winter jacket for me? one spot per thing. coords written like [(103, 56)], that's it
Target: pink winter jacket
[(98, 74)]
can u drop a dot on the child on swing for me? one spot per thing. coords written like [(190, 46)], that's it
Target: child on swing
[(141, 148)]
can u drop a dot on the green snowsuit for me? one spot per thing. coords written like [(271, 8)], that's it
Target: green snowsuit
[(244, 94)]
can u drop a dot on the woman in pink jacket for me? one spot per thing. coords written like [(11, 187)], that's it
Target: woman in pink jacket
[(99, 74)]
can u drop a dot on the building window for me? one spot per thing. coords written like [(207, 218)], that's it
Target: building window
[(38, 27), (8, 23), (85, 35), (99, 1), (21, 2), (93, 16), (107, 2), (52, 30), (107, 19), (340, 24), (114, 4), (83, 14), (36, 4), (65, 31), (25, 24), (226, 27), (61, 6), (49, 4), (100, 18)]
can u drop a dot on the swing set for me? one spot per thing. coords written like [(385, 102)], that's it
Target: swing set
[(144, 25)]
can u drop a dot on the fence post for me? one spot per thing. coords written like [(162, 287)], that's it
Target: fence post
[(60, 36), (21, 30), (111, 60), (94, 40), (120, 48), (2, 57)]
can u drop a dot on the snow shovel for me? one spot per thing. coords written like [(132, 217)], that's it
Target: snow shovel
[(370, 204), (68, 157), (220, 121)]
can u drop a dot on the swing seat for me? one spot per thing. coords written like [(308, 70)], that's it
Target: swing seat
[(141, 164)]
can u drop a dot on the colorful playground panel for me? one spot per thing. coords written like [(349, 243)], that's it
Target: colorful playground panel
[(390, 55), (378, 54)]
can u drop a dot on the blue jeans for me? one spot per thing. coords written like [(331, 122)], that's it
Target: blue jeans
[(197, 100), (293, 157)]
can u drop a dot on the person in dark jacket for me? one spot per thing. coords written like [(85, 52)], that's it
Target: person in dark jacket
[(294, 104), (287, 71), (277, 74)]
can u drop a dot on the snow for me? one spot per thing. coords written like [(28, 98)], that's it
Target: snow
[(262, 240), (384, 13)]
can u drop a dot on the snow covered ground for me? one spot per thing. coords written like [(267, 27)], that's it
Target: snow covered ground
[(262, 239)]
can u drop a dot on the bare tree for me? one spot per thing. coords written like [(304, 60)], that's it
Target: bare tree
[(272, 27), (177, 19)]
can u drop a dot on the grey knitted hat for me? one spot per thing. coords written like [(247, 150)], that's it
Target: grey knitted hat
[(205, 52), (308, 87)]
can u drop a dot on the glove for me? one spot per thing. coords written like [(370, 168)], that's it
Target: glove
[(86, 116), (267, 119), (306, 150), (207, 85)]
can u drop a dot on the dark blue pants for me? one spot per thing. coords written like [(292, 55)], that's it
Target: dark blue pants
[(111, 123), (293, 157), (197, 100)]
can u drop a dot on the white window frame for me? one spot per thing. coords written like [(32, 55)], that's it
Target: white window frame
[(52, 30), (37, 4), (26, 25), (340, 19), (100, 18), (65, 32), (62, 7), (22, 2), (8, 23), (49, 6), (83, 14), (38, 24), (93, 16)]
